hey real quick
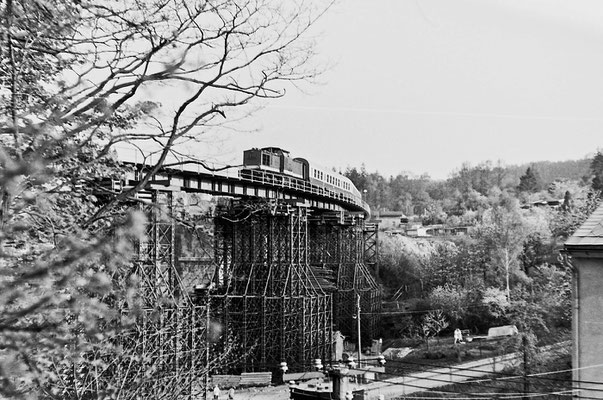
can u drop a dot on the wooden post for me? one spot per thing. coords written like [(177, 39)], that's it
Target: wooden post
[(526, 381), (341, 383), (358, 320)]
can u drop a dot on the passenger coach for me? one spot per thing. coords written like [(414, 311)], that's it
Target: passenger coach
[(278, 161)]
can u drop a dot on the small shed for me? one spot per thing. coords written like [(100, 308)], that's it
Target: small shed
[(585, 251)]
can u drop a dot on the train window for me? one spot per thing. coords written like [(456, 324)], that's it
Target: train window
[(265, 159)]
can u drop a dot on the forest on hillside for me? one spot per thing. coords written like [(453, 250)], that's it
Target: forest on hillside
[(468, 188), (507, 270)]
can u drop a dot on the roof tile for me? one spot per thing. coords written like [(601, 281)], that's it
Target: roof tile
[(590, 233)]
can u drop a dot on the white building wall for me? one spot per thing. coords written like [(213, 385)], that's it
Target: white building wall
[(587, 359)]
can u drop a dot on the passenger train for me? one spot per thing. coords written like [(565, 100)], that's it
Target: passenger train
[(274, 160)]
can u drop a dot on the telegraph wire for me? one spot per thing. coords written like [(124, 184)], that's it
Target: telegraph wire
[(503, 375), (475, 395), (448, 382), (434, 113), (431, 379), (406, 384), (499, 395), (489, 398)]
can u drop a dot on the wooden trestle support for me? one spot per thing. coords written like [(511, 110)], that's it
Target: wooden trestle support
[(281, 280), (272, 304), (171, 335), (287, 279), (338, 243)]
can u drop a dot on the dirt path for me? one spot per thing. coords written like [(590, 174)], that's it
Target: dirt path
[(399, 386), (280, 392), (421, 381), (394, 387)]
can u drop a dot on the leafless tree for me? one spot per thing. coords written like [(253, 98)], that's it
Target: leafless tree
[(78, 78)]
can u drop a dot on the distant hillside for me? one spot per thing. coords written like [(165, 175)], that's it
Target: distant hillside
[(466, 189), (550, 171)]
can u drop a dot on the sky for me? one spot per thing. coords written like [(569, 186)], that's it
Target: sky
[(423, 86)]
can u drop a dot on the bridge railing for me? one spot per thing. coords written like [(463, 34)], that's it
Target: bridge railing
[(273, 179)]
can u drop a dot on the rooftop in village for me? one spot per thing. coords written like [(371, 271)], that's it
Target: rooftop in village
[(590, 233)]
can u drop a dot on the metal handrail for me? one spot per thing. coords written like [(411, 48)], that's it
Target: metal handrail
[(288, 182)]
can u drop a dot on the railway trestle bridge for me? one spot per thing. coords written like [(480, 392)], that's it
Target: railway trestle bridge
[(254, 265)]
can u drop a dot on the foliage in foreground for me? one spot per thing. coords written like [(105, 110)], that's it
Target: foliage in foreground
[(77, 79)]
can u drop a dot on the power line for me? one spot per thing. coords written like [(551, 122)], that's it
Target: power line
[(500, 395), (506, 376), (502, 375), (435, 113)]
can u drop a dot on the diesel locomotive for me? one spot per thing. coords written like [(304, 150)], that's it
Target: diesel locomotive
[(274, 161)]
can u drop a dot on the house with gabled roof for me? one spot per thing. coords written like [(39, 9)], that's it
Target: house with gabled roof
[(585, 251)]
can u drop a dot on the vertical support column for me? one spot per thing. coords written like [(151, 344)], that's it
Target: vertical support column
[(345, 250), (168, 318), (274, 300), (371, 247)]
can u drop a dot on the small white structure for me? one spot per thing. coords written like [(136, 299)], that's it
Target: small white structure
[(505, 330)]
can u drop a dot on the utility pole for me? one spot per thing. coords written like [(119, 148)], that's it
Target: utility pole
[(526, 381), (358, 322), (207, 348)]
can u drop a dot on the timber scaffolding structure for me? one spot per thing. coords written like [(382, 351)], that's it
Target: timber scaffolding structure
[(279, 279), (287, 278), (170, 339)]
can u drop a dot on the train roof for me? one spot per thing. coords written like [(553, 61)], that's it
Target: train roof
[(275, 150)]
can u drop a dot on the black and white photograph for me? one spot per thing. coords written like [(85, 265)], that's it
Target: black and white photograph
[(301, 199)]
